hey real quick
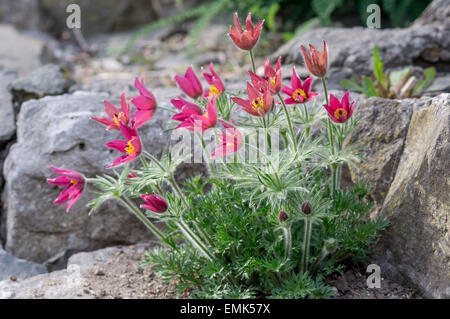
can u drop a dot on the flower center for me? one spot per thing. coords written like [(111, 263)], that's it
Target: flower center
[(297, 93), (273, 81), (130, 149), (340, 113), (213, 91), (120, 117), (73, 182), (258, 103)]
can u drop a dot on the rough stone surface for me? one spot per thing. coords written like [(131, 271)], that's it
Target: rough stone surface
[(8, 127), (416, 247), (47, 80), (18, 269), (57, 131), (19, 53), (382, 132)]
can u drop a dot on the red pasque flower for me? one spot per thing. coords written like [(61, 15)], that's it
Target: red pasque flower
[(231, 141), (273, 76), (340, 112), (214, 80), (74, 183), (189, 83), (247, 39), (259, 103), (154, 203), (299, 93), (131, 147), (315, 61), (145, 104), (192, 116), (115, 116)]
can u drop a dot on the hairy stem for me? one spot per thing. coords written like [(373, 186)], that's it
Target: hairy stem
[(306, 245), (287, 240), (291, 129), (253, 61), (205, 150)]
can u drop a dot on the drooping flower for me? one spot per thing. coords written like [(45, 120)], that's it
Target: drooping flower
[(214, 80), (145, 104), (299, 93), (340, 112), (74, 183), (273, 76), (192, 116), (258, 104), (154, 203), (306, 208), (115, 116), (315, 61), (189, 83), (247, 39), (231, 141), (282, 216), (131, 147)]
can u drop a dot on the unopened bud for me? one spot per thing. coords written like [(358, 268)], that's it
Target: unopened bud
[(306, 208), (330, 245), (283, 216)]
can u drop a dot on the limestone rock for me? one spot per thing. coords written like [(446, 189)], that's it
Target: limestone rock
[(382, 132), (416, 247), (18, 269), (47, 80)]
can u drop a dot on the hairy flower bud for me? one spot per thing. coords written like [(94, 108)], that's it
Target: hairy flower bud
[(330, 245), (306, 208), (283, 216)]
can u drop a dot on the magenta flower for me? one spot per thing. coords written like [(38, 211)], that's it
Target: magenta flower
[(74, 183), (298, 93), (192, 116), (214, 80), (258, 104), (231, 141), (115, 116), (154, 203), (189, 83), (273, 76), (131, 147), (245, 40), (145, 104), (340, 112)]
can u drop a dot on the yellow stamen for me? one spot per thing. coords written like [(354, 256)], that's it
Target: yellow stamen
[(73, 182), (273, 81), (230, 144), (298, 92), (118, 117), (339, 113), (258, 103), (213, 91), (130, 149)]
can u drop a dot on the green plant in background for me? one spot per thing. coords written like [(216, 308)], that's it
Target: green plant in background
[(291, 16), (395, 84)]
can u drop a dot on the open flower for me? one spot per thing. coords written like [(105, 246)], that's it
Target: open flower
[(317, 62), (145, 104), (247, 39), (340, 112), (74, 183), (258, 104), (189, 83), (131, 147), (115, 116), (231, 141), (273, 76), (216, 83), (154, 203), (299, 93), (192, 116)]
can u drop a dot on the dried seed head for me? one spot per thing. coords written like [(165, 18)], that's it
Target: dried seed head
[(306, 208), (283, 216)]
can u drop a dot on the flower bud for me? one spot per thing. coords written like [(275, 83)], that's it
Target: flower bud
[(330, 245), (306, 208), (154, 203), (283, 216)]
